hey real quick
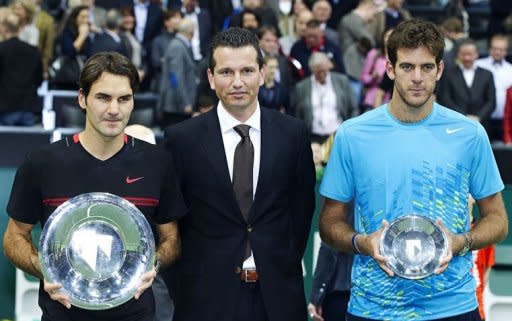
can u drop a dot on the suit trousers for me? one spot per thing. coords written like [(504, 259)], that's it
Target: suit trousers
[(250, 305)]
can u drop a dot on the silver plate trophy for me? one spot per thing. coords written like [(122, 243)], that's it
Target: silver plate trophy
[(413, 246), (98, 246)]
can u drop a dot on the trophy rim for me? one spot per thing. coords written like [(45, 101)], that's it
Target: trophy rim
[(59, 217), (414, 216)]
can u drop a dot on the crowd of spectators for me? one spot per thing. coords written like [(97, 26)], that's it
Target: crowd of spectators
[(168, 41)]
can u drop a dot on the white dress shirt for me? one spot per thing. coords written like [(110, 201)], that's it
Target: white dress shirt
[(231, 138), (323, 100), (468, 74), (502, 74), (141, 17)]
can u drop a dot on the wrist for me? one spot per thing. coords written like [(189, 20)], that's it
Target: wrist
[(356, 243), (467, 244)]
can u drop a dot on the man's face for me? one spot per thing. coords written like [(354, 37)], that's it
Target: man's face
[(172, 23), (467, 55), (314, 36), (395, 4), (271, 68), (236, 77), (301, 21), (269, 44), (249, 21), (320, 72), (322, 10), (109, 105), (498, 49), (415, 74)]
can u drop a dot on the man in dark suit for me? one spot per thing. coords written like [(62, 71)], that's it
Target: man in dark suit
[(203, 30), (248, 180), (467, 88), (109, 39)]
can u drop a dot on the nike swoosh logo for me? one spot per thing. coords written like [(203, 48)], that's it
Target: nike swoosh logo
[(133, 180), (450, 131)]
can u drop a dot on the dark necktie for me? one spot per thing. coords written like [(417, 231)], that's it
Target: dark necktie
[(243, 169), (242, 175)]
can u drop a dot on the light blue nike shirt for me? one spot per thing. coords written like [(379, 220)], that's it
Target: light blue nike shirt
[(391, 169)]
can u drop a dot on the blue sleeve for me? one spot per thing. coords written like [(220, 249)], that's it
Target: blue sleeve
[(485, 177), (338, 180)]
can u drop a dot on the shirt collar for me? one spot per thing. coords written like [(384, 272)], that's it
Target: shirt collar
[(461, 66), (227, 121), (327, 80)]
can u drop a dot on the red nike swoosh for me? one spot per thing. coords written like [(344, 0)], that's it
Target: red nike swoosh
[(133, 180)]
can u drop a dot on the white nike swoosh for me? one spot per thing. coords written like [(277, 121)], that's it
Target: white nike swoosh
[(450, 131)]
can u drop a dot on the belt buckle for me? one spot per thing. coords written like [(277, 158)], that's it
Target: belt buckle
[(246, 272)]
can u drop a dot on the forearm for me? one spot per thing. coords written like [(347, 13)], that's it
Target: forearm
[(168, 251), (334, 229), (19, 249)]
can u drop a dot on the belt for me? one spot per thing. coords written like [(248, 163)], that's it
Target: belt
[(249, 275)]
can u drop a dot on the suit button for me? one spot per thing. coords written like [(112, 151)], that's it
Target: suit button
[(238, 270), (249, 228)]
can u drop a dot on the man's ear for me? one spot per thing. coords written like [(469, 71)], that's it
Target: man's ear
[(390, 70), (82, 102)]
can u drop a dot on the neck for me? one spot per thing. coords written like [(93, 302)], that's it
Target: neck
[(99, 146), (409, 114), (244, 114)]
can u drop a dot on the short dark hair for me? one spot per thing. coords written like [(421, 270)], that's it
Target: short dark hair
[(266, 28), (111, 62), (414, 33), (235, 38), (465, 42)]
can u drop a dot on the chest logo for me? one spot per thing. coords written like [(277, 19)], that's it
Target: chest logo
[(450, 131), (130, 180)]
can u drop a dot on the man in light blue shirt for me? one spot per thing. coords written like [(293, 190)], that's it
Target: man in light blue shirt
[(412, 156)]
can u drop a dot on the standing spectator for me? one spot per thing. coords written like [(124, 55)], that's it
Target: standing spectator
[(203, 27), (467, 88), (76, 38), (323, 100), (314, 41), (412, 156), (330, 291), (453, 35), (148, 17), (21, 72), (26, 10), (178, 82), (272, 94), (322, 11), (356, 24), (109, 39), (45, 24), (136, 52), (501, 71), (172, 18), (299, 31), (250, 207), (374, 70), (456, 8), (390, 17)]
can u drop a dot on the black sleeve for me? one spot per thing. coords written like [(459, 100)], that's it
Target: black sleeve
[(25, 201)]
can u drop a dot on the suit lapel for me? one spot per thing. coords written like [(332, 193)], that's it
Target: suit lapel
[(269, 150), (214, 148)]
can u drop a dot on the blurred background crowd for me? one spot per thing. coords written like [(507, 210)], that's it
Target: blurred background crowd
[(325, 59)]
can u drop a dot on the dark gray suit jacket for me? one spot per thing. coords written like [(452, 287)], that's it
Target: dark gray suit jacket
[(178, 81), (478, 100), (345, 104)]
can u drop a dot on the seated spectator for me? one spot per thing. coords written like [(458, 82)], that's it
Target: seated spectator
[(26, 10), (390, 17), (272, 94), (250, 20), (322, 11), (76, 38), (266, 14), (269, 45), (288, 15), (323, 100), (21, 74), (314, 41), (299, 31), (374, 70)]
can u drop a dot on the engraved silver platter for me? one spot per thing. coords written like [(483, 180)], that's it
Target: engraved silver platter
[(98, 246), (413, 246)]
